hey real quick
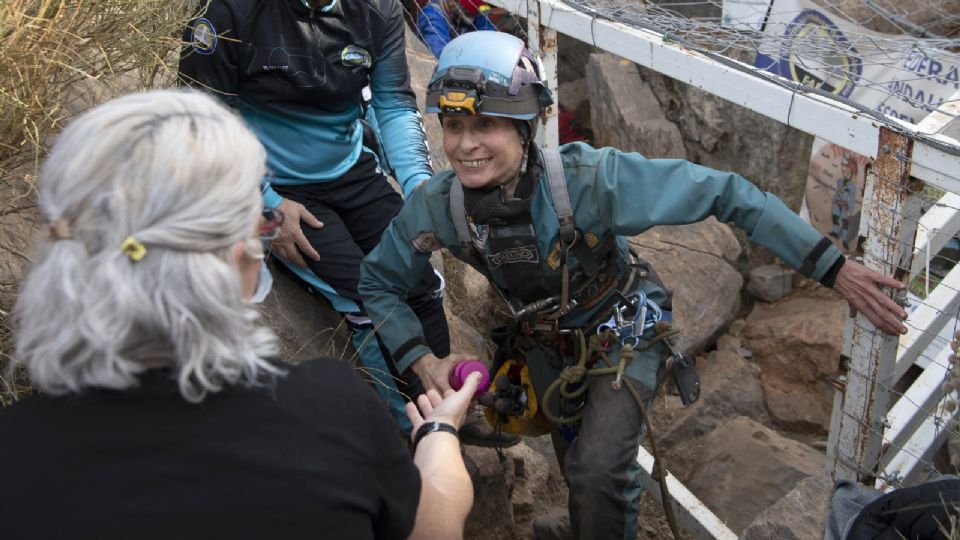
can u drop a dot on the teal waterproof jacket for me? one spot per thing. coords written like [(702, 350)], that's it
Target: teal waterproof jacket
[(612, 192)]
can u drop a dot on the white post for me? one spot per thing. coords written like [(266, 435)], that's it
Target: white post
[(891, 209), (543, 42)]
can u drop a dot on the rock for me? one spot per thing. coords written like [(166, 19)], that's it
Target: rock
[(491, 517), (737, 327), (509, 495), (728, 343), (553, 526), (306, 326), (575, 96), (743, 467), (796, 342), (572, 58), (694, 262), (730, 388), (536, 484), (471, 297), (770, 282), (624, 112), (422, 63), (771, 154), (464, 338), (798, 515)]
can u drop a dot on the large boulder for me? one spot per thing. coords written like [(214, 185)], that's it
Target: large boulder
[(796, 342), (510, 493), (465, 338), (742, 467), (664, 117), (306, 326), (470, 296), (728, 137), (798, 515), (628, 111), (730, 387), (695, 262)]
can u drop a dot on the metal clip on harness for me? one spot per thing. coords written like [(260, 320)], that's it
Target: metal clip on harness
[(630, 318)]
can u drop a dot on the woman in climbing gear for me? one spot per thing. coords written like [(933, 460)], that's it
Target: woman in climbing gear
[(548, 229)]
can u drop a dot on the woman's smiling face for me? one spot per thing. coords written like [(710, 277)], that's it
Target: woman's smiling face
[(484, 151)]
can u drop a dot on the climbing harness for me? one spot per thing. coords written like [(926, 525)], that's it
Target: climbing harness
[(599, 275)]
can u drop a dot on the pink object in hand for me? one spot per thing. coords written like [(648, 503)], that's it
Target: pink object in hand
[(461, 371)]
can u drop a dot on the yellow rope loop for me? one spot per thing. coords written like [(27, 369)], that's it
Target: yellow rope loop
[(571, 376)]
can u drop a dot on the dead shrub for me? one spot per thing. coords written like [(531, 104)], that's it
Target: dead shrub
[(58, 58)]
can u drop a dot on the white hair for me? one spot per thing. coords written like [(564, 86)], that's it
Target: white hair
[(181, 174)]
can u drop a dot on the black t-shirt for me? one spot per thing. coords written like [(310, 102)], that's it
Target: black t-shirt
[(315, 455)]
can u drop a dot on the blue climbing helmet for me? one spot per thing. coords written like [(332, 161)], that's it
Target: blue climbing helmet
[(491, 73)]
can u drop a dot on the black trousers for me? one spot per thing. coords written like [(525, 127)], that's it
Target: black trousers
[(355, 210)]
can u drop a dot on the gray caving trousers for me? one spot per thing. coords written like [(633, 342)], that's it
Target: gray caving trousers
[(600, 464)]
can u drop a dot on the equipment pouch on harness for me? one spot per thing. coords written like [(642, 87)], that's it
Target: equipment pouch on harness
[(683, 369), (511, 405), (686, 380)]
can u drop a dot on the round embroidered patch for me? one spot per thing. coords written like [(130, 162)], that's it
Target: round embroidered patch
[(204, 38), (353, 56)]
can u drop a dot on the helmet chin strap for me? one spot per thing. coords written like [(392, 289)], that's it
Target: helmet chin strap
[(509, 187)]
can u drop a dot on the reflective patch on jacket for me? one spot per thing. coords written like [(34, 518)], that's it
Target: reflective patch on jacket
[(426, 242), (353, 56), (513, 255)]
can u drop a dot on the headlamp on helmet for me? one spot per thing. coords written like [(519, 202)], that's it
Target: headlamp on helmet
[(489, 73), (461, 91)]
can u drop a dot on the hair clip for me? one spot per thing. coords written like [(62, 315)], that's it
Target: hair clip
[(131, 247)]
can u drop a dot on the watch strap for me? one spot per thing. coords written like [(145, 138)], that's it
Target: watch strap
[(432, 426)]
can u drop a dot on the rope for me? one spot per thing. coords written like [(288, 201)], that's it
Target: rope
[(577, 374)]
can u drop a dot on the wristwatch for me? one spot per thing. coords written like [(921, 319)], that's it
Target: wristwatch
[(432, 426)]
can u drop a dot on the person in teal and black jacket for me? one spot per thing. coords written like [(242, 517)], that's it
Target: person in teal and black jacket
[(296, 71), (548, 230)]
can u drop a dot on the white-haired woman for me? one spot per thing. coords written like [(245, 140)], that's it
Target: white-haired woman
[(160, 413)]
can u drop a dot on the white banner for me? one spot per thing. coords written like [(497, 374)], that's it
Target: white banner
[(821, 50)]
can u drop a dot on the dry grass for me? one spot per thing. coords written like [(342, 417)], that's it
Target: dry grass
[(58, 58)]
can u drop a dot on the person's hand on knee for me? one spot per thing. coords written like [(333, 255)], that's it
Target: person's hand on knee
[(292, 244)]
